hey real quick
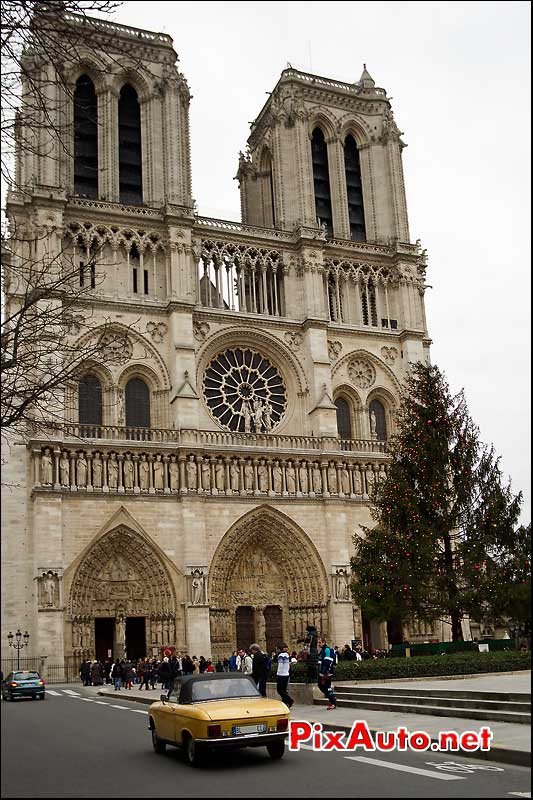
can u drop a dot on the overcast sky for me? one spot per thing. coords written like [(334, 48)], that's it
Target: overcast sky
[(458, 73)]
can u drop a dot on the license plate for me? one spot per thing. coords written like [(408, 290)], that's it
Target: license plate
[(248, 729)]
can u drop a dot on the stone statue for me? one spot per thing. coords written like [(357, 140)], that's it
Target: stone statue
[(158, 472), (128, 472), (247, 414), (357, 480), (248, 476), (112, 472), (382, 475), (341, 585), (317, 478), (47, 468), (120, 399), (304, 482), (81, 470), (373, 425), (64, 469), (277, 478), (174, 476), (258, 415), (234, 475), (197, 587), (220, 481), (345, 480), (332, 479), (290, 478), (206, 475), (76, 635), (144, 473), (120, 628), (267, 416), (262, 474), (370, 477), (97, 471), (192, 473), (49, 587)]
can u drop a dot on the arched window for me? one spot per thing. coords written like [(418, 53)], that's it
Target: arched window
[(319, 151), (267, 190), (380, 422), (137, 404), (354, 189), (85, 138), (344, 422), (90, 400), (129, 146), (368, 303)]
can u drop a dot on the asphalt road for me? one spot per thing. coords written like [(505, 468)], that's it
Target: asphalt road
[(78, 745)]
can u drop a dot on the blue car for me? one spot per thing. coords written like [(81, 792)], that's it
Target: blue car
[(23, 683)]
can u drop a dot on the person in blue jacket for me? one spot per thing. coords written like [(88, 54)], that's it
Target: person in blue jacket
[(326, 666)]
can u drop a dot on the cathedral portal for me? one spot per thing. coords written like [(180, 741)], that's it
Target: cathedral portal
[(267, 584), (122, 599)]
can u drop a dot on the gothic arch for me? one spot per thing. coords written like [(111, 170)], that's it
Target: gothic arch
[(130, 74), (266, 558), (375, 360), (122, 573), (88, 64), (351, 124), (321, 118), (347, 392)]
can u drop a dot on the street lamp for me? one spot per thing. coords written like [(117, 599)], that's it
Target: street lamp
[(18, 644)]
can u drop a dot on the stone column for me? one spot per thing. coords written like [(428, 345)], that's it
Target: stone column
[(136, 487), (120, 459), (227, 462), (182, 458), (166, 487), (323, 469)]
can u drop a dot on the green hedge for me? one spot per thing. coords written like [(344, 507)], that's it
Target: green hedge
[(422, 666), (436, 648)]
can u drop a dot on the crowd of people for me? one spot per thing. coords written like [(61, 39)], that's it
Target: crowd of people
[(146, 673)]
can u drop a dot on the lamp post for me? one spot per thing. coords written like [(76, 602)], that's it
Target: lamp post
[(20, 642)]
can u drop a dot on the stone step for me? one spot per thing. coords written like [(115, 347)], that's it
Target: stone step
[(440, 700), (517, 697), (435, 711)]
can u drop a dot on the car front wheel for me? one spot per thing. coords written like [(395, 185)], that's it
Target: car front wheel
[(41, 697), (276, 750), (158, 745)]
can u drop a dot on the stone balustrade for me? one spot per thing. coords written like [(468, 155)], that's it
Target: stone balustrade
[(136, 471), (226, 439)]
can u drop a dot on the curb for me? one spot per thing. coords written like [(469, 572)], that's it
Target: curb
[(358, 681), (518, 758)]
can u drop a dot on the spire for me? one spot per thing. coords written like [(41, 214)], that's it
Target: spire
[(366, 79)]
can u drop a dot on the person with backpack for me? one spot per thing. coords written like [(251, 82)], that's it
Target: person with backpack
[(283, 675), (117, 673), (260, 668), (326, 666)]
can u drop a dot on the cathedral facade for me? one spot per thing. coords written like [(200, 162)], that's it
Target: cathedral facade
[(218, 457)]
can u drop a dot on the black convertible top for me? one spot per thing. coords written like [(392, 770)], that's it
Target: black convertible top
[(183, 684)]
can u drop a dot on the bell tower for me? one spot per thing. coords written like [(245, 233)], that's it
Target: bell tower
[(325, 150)]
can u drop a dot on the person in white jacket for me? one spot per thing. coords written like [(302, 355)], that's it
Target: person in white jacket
[(246, 664)]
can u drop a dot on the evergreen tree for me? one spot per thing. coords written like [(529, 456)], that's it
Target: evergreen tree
[(442, 512)]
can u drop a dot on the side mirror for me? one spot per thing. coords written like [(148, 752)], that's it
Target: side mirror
[(163, 698)]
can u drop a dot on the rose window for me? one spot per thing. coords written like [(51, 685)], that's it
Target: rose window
[(244, 391), (361, 373)]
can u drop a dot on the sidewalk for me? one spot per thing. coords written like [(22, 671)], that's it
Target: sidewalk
[(511, 743)]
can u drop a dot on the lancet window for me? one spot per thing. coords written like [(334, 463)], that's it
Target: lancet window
[(319, 152), (137, 397), (85, 139), (90, 400), (354, 190), (344, 422), (378, 420), (130, 151)]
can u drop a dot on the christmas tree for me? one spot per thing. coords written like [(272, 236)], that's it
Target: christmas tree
[(442, 514)]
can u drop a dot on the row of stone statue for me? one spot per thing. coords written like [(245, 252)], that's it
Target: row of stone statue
[(204, 474)]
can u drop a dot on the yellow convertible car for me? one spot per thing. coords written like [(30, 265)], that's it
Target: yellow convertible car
[(203, 713)]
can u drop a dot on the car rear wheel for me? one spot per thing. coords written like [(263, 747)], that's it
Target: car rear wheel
[(276, 750), (12, 698), (195, 756), (158, 745)]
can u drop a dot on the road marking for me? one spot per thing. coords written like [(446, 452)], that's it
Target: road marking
[(51, 691), (101, 703), (138, 711), (521, 794), (404, 768), (86, 699), (69, 691), (123, 707)]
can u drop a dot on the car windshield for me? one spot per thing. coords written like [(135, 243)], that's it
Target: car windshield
[(223, 689), (26, 676)]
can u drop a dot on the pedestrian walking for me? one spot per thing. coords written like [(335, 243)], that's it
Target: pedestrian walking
[(283, 675), (260, 668), (117, 673), (326, 666), (165, 674)]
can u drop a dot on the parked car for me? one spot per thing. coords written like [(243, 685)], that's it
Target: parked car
[(23, 683), (213, 711)]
